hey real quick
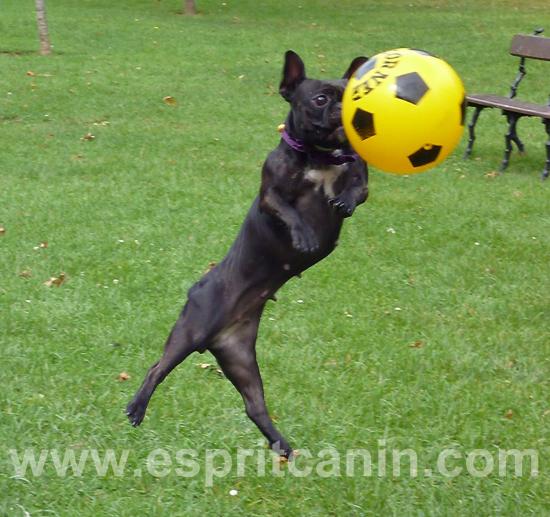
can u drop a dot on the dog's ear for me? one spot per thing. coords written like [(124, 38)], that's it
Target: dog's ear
[(294, 73), (355, 64)]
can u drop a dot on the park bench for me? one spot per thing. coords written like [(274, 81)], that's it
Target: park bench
[(525, 47)]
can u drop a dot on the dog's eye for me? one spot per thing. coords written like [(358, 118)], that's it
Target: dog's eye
[(320, 100)]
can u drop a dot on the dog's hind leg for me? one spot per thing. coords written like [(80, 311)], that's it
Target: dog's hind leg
[(235, 351), (181, 342)]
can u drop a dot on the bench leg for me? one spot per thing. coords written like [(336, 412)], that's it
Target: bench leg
[(546, 171), (510, 137), (471, 131), (517, 141)]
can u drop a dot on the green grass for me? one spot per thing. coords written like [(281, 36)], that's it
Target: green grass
[(134, 216)]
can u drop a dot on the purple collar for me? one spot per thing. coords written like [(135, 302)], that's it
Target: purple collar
[(328, 157)]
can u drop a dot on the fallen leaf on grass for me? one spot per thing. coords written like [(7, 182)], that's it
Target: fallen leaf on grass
[(30, 73), (41, 246), (509, 414), (283, 460), (88, 137), (26, 273), (518, 193), (171, 101), (209, 366), (417, 344), (492, 174), (210, 267), (123, 376), (55, 280), (2, 231)]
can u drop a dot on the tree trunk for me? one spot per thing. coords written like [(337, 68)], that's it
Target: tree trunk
[(189, 7), (45, 47)]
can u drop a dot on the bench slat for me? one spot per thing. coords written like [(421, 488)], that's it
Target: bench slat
[(534, 47), (497, 101)]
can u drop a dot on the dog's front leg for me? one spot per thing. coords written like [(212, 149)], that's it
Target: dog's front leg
[(352, 189), (302, 234)]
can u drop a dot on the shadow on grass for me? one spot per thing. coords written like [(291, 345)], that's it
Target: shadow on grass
[(6, 52)]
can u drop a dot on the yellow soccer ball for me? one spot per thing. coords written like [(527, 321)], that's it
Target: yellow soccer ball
[(403, 111)]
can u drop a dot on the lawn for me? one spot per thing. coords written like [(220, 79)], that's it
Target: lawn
[(427, 330)]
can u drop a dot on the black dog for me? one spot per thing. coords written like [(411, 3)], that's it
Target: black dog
[(310, 183)]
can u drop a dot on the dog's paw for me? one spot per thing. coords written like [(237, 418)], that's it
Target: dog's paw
[(304, 239), (342, 206), (135, 411), (284, 450)]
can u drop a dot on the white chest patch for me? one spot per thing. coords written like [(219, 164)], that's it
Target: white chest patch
[(325, 177)]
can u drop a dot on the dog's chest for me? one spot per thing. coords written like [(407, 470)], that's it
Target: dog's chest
[(325, 177)]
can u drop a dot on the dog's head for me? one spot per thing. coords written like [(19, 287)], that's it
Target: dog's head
[(316, 106)]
